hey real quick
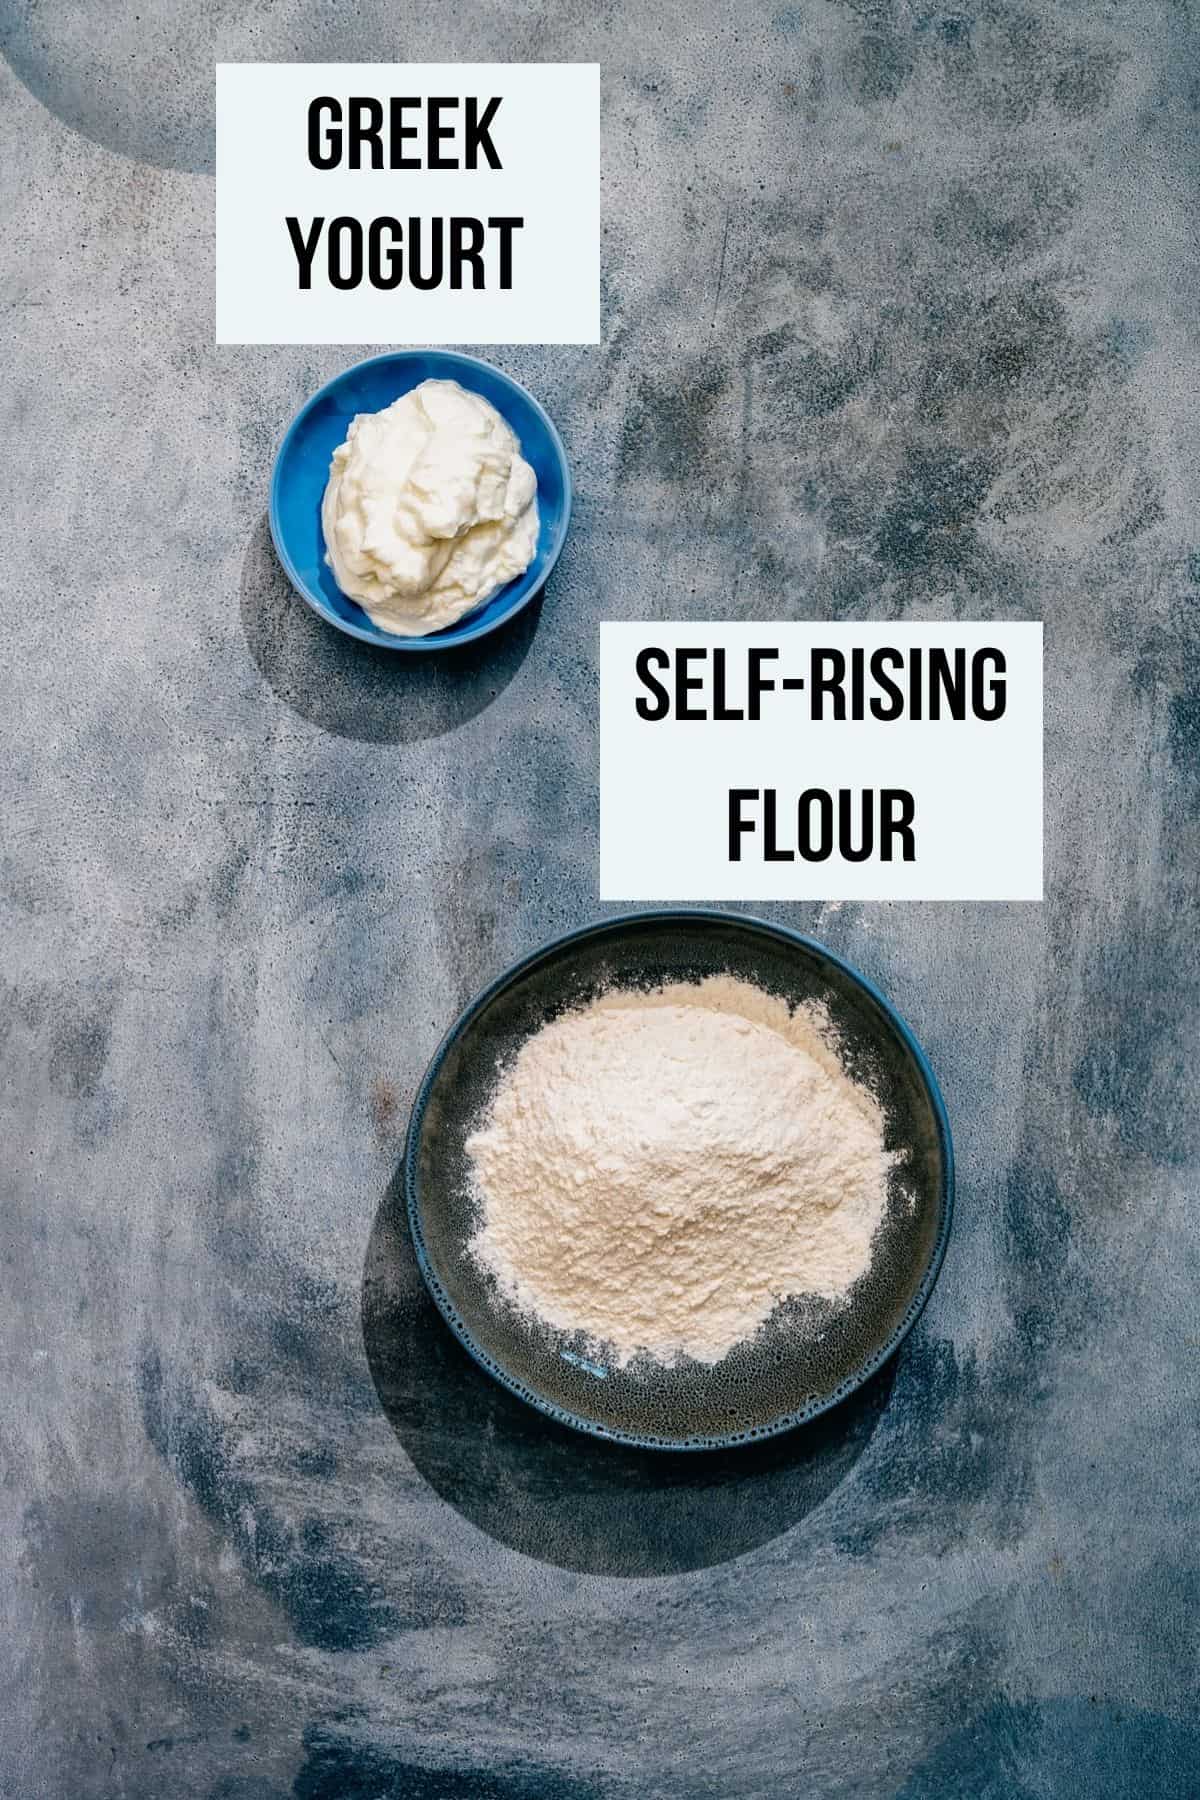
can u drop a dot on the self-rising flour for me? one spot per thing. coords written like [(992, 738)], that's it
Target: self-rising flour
[(658, 1170)]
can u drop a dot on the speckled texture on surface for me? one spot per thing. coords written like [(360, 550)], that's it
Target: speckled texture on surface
[(899, 320)]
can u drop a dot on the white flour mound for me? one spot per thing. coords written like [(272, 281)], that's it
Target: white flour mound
[(659, 1170)]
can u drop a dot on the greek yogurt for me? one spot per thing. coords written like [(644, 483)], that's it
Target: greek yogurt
[(429, 509)]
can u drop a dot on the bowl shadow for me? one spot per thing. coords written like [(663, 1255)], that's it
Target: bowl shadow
[(558, 1495), (354, 690)]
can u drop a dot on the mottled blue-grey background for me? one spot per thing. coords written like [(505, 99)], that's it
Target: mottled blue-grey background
[(899, 320)]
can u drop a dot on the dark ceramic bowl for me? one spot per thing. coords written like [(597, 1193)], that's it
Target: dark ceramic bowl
[(810, 1354)]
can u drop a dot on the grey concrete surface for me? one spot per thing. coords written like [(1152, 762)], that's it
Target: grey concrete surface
[(899, 321)]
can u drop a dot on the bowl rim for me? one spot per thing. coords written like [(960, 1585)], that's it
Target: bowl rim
[(438, 640), (786, 1421)]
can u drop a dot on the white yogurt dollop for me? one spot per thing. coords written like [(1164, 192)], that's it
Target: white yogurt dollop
[(430, 508)]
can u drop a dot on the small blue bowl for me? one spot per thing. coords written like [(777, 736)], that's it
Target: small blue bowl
[(302, 471)]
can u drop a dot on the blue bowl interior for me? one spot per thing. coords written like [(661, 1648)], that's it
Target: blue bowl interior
[(302, 470), (810, 1355)]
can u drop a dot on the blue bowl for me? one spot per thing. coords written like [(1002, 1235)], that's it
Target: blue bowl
[(302, 471)]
